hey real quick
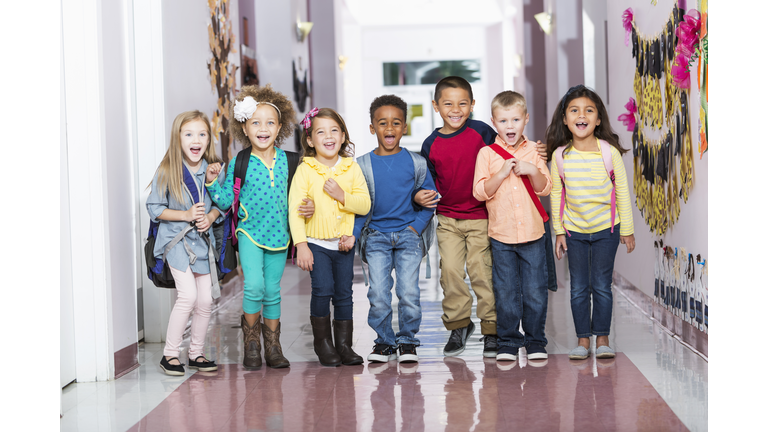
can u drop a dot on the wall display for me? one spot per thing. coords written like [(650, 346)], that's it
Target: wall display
[(221, 40), (703, 79), (661, 135), (679, 287)]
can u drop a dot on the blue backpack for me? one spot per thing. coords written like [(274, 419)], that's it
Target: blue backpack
[(219, 251)]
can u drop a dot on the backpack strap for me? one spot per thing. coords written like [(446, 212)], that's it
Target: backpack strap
[(605, 150), (561, 173), (293, 159), (420, 175), (364, 162), (241, 169), (526, 181)]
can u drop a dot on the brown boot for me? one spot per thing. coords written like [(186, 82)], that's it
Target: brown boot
[(342, 334), (251, 343), (273, 352), (321, 330)]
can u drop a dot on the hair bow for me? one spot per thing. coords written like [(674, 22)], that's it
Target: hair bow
[(307, 122)]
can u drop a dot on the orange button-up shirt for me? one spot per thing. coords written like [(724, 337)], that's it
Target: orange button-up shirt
[(512, 215)]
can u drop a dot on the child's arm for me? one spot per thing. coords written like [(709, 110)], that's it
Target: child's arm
[(487, 184), (424, 213), (356, 201), (222, 195), (299, 190), (157, 207), (424, 197), (623, 203), (554, 197)]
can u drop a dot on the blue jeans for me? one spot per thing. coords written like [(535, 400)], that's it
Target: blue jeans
[(590, 261), (331, 275), (400, 251), (520, 288)]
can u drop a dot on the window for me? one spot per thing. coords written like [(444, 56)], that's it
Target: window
[(418, 73)]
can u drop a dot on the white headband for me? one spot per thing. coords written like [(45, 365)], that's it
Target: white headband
[(245, 108)]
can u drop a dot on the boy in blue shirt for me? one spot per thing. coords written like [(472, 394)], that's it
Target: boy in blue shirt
[(392, 232)]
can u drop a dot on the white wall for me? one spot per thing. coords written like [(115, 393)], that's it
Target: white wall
[(690, 231)]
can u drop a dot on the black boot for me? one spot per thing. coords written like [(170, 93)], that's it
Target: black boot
[(321, 330), (252, 343), (342, 334)]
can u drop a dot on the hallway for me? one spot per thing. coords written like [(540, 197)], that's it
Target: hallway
[(654, 383)]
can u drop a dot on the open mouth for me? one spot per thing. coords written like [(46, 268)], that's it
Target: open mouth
[(511, 136), (330, 145), (263, 138), (195, 150), (581, 125), (389, 139), (455, 119)]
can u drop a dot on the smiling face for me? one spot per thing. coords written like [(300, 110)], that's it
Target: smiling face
[(510, 124), (389, 127), (326, 138), (194, 141), (581, 118), (262, 128), (454, 107)]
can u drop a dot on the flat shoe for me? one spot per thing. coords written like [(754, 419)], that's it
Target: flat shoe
[(605, 352), (578, 353), (171, 369), (202, 364)]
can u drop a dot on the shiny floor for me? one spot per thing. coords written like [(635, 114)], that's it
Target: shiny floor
[(654, 383)]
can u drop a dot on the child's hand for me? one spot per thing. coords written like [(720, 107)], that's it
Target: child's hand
[(560, 247), (195, 212), (334, 190), (307, 209), (346, 243), (629, 241), (426, 198), (507, 168), (212, 173), (304, 258), (205, 222), (542, 149), (522, 168)]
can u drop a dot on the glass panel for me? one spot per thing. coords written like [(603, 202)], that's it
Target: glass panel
[(419, 73)]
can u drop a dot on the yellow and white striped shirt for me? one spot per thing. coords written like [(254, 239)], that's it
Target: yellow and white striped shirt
[(588, 194)]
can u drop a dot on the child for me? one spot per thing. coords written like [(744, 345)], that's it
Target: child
[(581, 127), (172, 205), (324, 244), (261, 119), (516, 228), (393, 229), (462, 230)]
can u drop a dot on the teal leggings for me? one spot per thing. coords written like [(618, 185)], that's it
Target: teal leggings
[(263, 270)]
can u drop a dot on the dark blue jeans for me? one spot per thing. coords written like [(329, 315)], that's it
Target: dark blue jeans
[(331, 280), (590, 261), (520, 289)]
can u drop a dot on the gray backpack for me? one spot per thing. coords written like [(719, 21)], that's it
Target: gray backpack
[(420, 174)]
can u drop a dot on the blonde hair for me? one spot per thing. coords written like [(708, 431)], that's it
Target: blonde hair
[(287, 115), (169, 174), (508, 99), (347, 148)]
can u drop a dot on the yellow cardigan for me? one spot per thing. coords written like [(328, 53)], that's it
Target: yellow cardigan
[(331, 219)]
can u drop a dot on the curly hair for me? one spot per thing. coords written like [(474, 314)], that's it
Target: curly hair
[(347, 148), (389, 100), (264, 94)]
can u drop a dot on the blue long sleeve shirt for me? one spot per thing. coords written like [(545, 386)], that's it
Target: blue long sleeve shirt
[(393, 178)]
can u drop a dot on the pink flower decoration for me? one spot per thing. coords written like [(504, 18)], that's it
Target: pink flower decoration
[(627, 19), (688, 38), (681, 77), (628, 118)]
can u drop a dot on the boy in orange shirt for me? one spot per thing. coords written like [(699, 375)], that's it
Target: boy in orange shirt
[(516, 228)]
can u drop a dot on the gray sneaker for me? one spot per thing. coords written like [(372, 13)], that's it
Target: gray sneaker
[(458, 340)]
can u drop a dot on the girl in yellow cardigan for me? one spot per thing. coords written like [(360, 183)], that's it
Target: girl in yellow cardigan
[(324, 242)]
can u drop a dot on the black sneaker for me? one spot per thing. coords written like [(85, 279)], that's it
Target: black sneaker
[(490, 346), (536, 352), (382, 353), (458, 340), (171, 369), (204, 365), (407, 353)]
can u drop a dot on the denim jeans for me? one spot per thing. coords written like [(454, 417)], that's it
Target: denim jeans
[(331, 275), (520, 288), (384, 252), (590, 261)]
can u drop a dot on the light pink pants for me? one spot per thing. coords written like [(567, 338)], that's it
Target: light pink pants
[(194, 295)]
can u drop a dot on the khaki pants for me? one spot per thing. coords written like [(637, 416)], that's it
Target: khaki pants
[(464, 242)]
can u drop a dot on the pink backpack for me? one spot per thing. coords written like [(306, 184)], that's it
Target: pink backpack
[(605, 149)]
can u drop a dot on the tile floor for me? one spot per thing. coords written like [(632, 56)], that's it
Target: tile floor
[(654, 383)]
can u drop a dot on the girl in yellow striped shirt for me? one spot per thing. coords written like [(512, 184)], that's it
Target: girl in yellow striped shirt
[(580, 125)]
